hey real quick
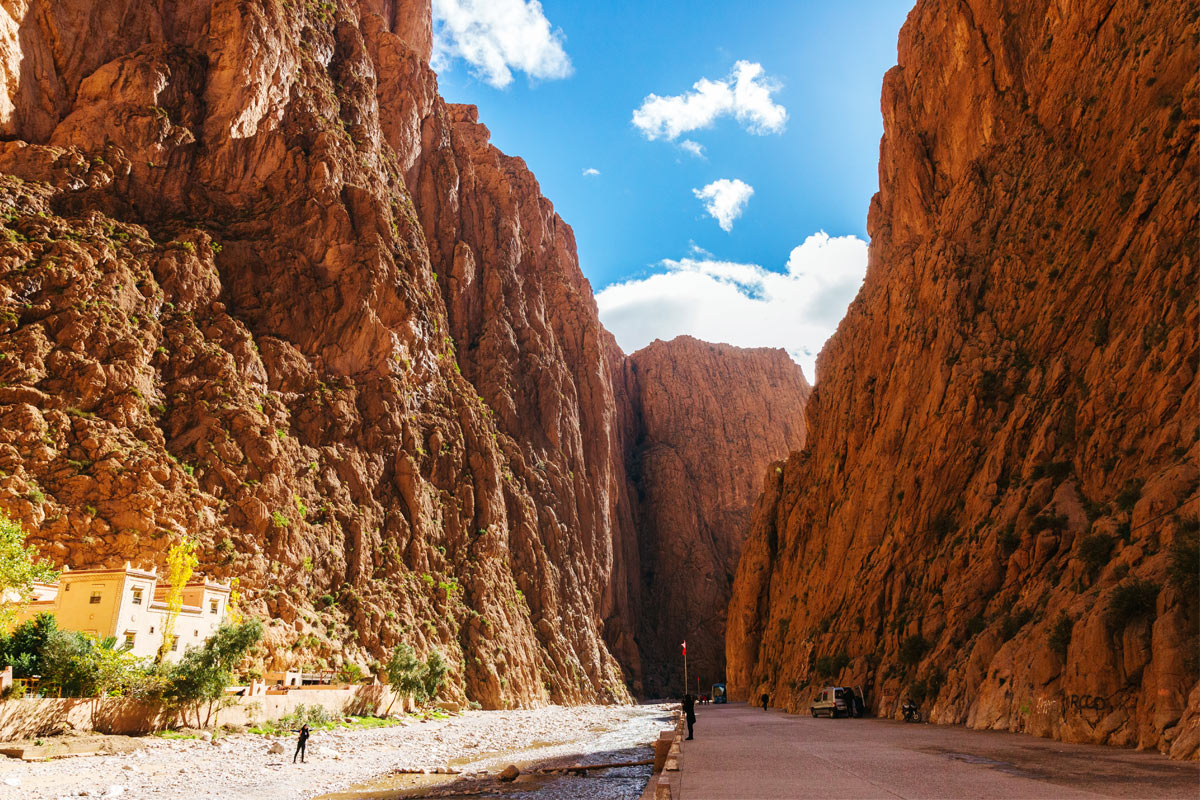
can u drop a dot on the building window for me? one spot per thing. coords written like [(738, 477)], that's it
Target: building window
[(137, 596), (152, 629), (214, 606), (94, 600), (195, 633), (174, 643), (129, 639)]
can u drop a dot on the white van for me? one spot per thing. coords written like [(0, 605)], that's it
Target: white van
[(833, 701)]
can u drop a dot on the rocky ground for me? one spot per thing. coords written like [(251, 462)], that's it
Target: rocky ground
[(242, 766)]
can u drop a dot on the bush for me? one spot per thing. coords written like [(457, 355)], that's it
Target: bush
[(831, 666), (1014, 622), (1183, 569), (1129, 495), (23, 647), (1060, 634), (1009, 539), (912, 650), (1095, 550), (1131, 601)]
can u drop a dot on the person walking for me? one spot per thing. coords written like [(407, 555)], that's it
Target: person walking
[(764, 699), (300, 745), (689, 711)]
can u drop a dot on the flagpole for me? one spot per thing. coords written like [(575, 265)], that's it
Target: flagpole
[(685, 675)]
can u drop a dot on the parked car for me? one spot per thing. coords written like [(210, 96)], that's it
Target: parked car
[(833, 701)]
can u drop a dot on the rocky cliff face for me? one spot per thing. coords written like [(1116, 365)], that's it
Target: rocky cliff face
[(996, 511), (708, 418), (260, 285)]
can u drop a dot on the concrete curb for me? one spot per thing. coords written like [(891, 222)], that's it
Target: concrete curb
[(666, 779)]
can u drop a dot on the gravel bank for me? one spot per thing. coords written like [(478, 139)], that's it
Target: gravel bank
[(241, 766)]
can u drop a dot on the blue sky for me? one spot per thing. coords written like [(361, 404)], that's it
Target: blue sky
[(558, 85)]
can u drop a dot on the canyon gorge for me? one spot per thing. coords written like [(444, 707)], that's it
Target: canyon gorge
[(260, 285), (996, 512)]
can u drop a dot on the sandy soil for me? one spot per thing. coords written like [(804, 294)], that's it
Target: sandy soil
[(241, 766)]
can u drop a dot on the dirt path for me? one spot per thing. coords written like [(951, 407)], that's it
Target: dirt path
[(240, 767)]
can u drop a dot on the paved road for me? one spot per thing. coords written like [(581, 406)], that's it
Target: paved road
[(743, 753)]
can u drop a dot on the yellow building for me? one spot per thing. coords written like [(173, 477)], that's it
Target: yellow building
[(130, 605)]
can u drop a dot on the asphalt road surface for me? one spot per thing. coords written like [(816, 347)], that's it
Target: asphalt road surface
[(745, 753)]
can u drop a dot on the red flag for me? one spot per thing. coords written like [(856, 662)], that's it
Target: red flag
[(684, 646)]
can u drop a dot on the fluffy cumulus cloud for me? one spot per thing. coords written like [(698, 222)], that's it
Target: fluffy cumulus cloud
[(695, 148), (591, 172), (725, 200), (497, 37), (744, 95), (742, 304)]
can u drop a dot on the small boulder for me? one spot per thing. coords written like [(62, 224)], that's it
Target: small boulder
[(276, 748), (510, 773)]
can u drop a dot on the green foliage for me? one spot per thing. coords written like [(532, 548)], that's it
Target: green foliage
[(832, 665), (408, 676), (1060, 634), (279, 520), (350, 672), (19, 569), (203, 673), (1131, 601), (912, 650), (23, 647), (301, 509)]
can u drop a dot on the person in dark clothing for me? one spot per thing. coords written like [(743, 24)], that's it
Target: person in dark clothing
[(300, 745), (689, 711), (764, 699)]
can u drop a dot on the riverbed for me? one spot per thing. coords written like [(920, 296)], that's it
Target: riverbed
[(462, 756)]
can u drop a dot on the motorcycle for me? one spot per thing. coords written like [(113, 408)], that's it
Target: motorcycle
[(911, 712)]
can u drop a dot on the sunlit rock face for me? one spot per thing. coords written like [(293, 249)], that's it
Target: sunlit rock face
[(260, 285), (708, 419), (996, 505)]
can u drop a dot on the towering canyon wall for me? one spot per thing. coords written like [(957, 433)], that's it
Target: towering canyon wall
[(261, 286), (996, 511), (708, 418)]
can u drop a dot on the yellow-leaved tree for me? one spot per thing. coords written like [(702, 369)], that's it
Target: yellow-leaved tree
[(181, 562), (235, 602)]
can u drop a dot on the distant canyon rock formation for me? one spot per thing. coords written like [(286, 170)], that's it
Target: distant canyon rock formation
[(261, 285), (996, 512)]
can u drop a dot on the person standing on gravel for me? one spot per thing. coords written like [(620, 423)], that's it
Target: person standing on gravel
[(300, 745), (689, 711)]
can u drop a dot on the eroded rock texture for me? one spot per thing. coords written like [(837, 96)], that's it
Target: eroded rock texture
[(709, 417), (996, 511), (260, 285)]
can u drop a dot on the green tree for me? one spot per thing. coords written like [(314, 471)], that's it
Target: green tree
[(203, 673), (404, 673), (433, 674), (19, 568), (23, 647)]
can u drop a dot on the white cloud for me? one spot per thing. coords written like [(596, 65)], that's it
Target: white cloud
[(742, 304), (695, 148), (745, 94), (591, 171), (725, 200), (496, 37)]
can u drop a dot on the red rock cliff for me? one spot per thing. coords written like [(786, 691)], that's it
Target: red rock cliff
[(261, 286), (709, 417), (996, 512)]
